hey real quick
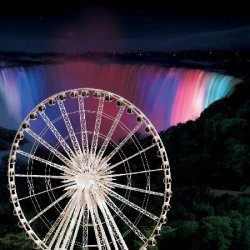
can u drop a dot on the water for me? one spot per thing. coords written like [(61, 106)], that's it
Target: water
[(166, 95)]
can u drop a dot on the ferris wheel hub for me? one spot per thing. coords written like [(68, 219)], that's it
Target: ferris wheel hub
[(85, 180)]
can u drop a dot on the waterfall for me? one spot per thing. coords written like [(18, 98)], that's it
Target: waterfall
[(166, 95)]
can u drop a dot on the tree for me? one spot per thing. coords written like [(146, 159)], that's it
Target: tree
[(15, 241), (215, 232)]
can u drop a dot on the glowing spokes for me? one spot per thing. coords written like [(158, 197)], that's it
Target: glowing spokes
[(84, 134), (43, 192), (112, 234), (113, 228), (58, 220), (110, 133), (94, 143), (100, 236), (74, 218), (134, 173), (78, 223), (54, 130), (136, 189), (49, 147), (123, 142), (131, 204), (40, 176), (126, 220), (70, 129), (129, 158), (64, 221), (49, 163), (85, 221), (51, 205)]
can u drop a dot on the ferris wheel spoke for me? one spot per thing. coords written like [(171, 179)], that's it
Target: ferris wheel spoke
[(49, 147), (104, 240), (130, 204), (62, 231), (64, 221), (85, 220), (126, 220), (110, 133), (58, 136), (132, 173), (90, 203), (119, 146), (77, 227), (116, 230), (62, 234), (49, 163), (69, 127), (46, 191), (113, 229), (97, 127), (136, 189), (129, 158), (50, 206), (58, 220), (73, 221), (84, 133), (111, 232), (41, 176)]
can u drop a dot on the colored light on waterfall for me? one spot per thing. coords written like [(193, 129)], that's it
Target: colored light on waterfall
[(166, 95)]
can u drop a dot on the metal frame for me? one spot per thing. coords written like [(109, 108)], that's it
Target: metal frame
[(87, 176)]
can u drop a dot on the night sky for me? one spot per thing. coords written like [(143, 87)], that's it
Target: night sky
[(75, 26)]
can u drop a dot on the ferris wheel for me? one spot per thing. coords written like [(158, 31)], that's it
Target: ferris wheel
[(88, 170)]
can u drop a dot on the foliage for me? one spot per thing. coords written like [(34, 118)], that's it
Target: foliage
[(15, 241)]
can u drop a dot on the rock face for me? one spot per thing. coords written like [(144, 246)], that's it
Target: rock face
[(6, 138)]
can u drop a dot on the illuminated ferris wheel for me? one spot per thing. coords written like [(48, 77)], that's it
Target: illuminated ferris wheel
[(87, 170)]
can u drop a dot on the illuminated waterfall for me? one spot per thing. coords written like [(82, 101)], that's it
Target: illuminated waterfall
[(166, 95)]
